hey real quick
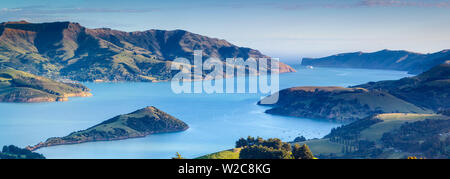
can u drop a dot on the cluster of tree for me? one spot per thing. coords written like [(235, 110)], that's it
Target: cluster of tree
[(429, 138), (352, 145), (273, 148), (13, 152)]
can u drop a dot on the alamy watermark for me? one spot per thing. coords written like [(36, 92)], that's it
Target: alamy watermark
[(216, 76)]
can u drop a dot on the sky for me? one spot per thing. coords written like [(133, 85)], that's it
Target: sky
[(288, 29)]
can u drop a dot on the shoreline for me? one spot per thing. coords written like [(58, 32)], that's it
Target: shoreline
[(61, 98)]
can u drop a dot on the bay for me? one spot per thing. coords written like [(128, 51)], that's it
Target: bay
[(216, 120)]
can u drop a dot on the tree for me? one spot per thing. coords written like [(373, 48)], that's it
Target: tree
[(177, 156), (263, 152), (241, 143), (302, 152), (259, 148), (286, 146)]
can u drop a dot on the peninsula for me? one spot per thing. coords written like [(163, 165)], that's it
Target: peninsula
[(140, 123), (19, 86)]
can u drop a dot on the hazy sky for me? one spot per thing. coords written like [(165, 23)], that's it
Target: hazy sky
[(279, 28)]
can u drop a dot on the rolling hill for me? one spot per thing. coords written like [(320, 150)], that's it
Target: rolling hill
[(338, 103), (414, 63), (69, 50), (19, 86), (430, 89), (428, 92)]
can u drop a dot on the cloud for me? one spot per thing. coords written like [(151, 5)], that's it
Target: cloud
[(404, 3), (10, 9), (45, 13), (366, 3), (42, 10)]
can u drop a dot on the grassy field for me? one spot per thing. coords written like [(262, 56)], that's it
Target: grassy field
[(226, 154), (393, 121), (384, 102), (323, 146)]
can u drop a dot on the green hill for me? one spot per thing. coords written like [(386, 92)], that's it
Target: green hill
[(428, 92), (140, 123), (71, 51), (430, 89), (338, 103), (19, 86), (394, 135)]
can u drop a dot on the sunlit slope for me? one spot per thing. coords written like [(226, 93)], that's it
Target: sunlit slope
[(19, 86)]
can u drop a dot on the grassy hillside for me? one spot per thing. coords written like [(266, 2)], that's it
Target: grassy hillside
[(338, 103), (19, 86), (323, 146), (370, 137), (430, 89), (226, 154), (140, 123), (393, 121)]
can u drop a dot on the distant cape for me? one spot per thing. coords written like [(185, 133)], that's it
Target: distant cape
[(414, 63)]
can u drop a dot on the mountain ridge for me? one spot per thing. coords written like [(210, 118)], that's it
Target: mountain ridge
[(69, 50)]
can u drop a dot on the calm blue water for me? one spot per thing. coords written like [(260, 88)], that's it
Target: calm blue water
[(216, 120)]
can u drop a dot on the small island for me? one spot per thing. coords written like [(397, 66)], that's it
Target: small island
[(140, 123), (21, 87)]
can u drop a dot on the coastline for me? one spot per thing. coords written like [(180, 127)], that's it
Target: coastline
[(62, 98)]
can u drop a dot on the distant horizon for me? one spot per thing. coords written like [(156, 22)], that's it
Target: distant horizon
[(289, 29)]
